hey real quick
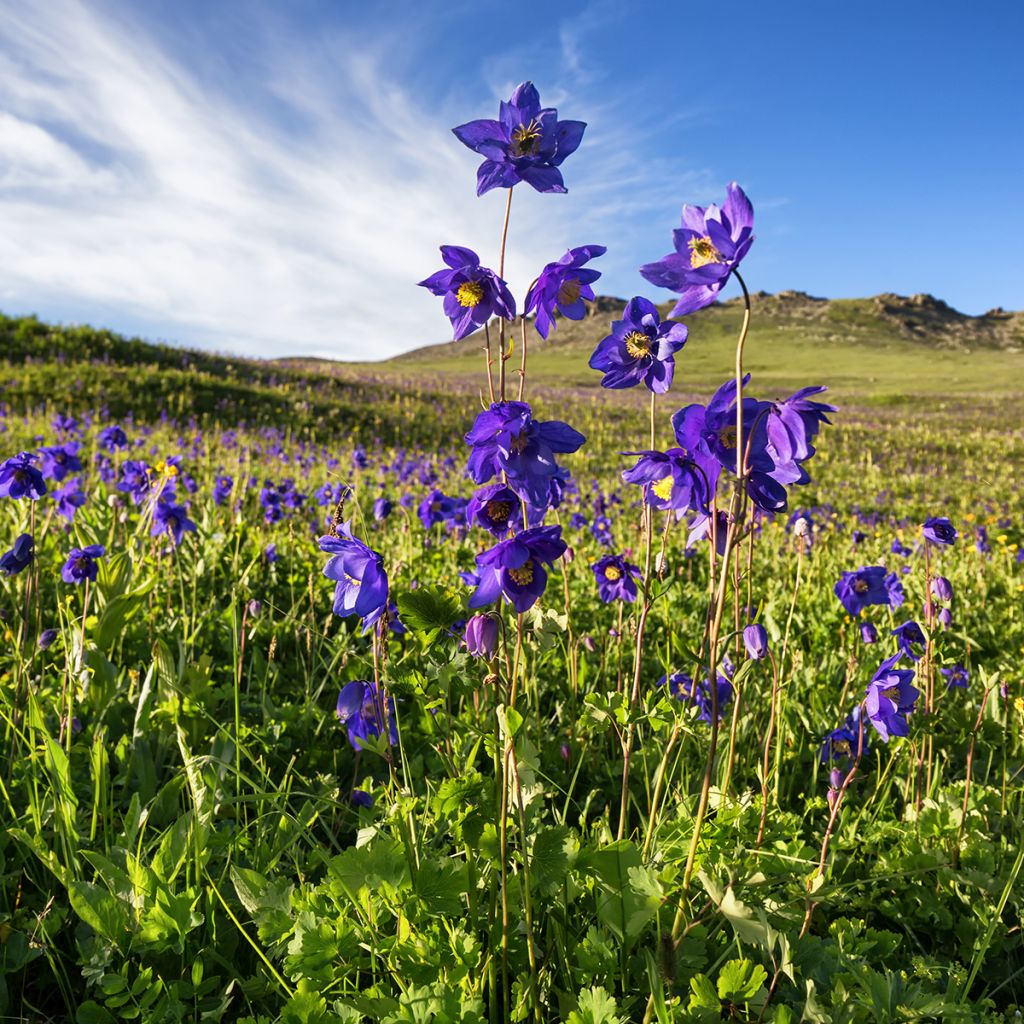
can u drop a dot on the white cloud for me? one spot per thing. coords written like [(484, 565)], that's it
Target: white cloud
[(294, 218)]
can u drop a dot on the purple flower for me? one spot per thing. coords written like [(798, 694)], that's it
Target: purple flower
[(890, 698), (680, 685), (361, 798), (222, 489), (709, 245), (112, 438), (472, 293), (61, 460), (481, 636), (514, 569), (868, 633), (359, 572), (956, 677), (70, 498), (171, 519), (755, 639), (382, 509), (20, 479), (506, 439), (360, 710), (640, 349), (46, 639), (906, 636), (791, 426), (939, 530), (894, 588), (846, 740), (945, 618), (670, 480), (564, 286), (437, 507), (942, 589), (82, 565), (864, 587), (19, 557), (615, 579), (496, 508), (526, 143), (270, 553)]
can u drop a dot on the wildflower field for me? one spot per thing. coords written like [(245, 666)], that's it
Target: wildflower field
[(455, 694)]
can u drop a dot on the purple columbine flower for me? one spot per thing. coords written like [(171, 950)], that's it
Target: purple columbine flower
[(957, 677), (19, 557), (472, 293), (222, 489), (791, 426), (868, 633), (861, 588), (526, 143), (112, 438), (890, 698), (939, 530), (361, 798), (359, 572), (481, 636), (438, 507), (46, 639), (19, 478), (514, 569), (506, 439), (680, 684), (945, 618), (563, 285), (846, 740), (942, 589), (616, 579), (710, 244), (755, 639), (360, 712), (172, 520), (671, 480), (82, 564), (60, 460), (640, 349), (70, 498), (496, 508), (906, 636), (382, 509)]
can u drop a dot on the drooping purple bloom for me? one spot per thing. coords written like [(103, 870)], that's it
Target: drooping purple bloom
[(359, 572), (46, 639), (868, 633), (361, 798), (19, 557), (19, 478), (563, 286), (438, 507), (70, 498), (472, 293), (945, 618), (709, 245), (957, 677), (60, 460), (526, 143), (360, 710), (939, 530), (640, 350), (890, 698), (112, 438), (270, 554), (680, 684), (755, 639), (481, 636), (942, 589), (894, 588), (791, 427), (497, 508), (671, 480), (907, 636), (82, 564), (506, 439), (382, 509), (616, 578), (861, 588), (172, 520), (514, 569)]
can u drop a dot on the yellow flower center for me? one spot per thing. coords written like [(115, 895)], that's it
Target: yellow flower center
[(523, 575), (470, 293), (569, 292), (703, 252), (892, 692), (525, 138), (637, 344), (861, 586), (728, 437), (498, 511), (841, 746), (663, 488), (611, 573)]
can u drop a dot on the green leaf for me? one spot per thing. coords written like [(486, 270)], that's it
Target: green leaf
[(103, 913), (740, 980), (595, 1006), (441, 888), (428, 609), (631, 892), (549, 859)]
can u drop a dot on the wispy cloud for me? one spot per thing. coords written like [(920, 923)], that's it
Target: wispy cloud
[(292, 215)]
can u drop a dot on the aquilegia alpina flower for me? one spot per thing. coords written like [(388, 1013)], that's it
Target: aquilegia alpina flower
[(907, 636), (171, 519), (709, 246), (847, 740), (507, 439), (472, 293), (526, 143), (755, 639), (481, 636), (890, 698), (791, 426), (360, 712), (60, 460), (563, 285), (359, 572), (616, 578), (497, 508), (19, 557), (865, 586), (671, 480), (956, 677), (82, 564), (514, 569), (640, 349), (19, 478), (939, 530)]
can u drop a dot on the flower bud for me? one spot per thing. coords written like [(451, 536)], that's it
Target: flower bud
[(588, 642), (755, 639), (481, 636), (46, 638), (568, 556), (833, 796), (868, 633), (945, 618), (836, 778), (942, 589)]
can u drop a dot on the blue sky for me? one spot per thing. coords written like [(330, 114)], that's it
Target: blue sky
[(274, 178)]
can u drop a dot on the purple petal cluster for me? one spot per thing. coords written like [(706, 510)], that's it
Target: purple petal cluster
[(616, 579), (514, 568), (640, 349), (563, 286), (472, 293), (362, 583)]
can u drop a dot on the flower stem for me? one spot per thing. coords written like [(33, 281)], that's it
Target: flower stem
[(501, 323)]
